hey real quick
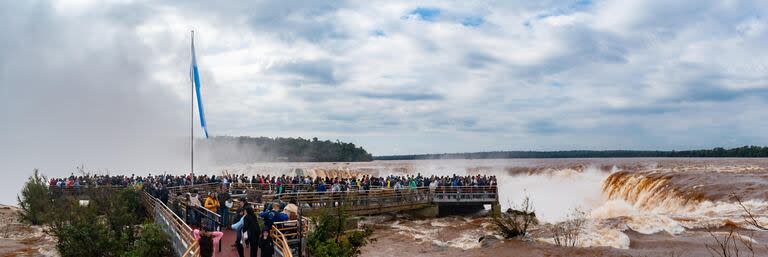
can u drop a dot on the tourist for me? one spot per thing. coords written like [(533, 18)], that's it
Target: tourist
[(321, 187), (266, 244), (212, 205), (272, 214), (238, 228), (194, 205), (208, 241), (190, 213), (224, 198), (251, 230), (163, 194)]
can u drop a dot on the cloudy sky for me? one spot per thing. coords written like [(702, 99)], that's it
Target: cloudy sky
[(104, 82)]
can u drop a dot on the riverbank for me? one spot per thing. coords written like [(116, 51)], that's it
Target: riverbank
[(20, 240), (473, 237)]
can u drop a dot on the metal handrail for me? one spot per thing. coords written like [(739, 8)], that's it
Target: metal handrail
[(281, 243), (182, 231), (194, 185), (290, 228)]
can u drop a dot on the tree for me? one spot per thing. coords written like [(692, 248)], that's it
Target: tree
[(123, 210), (227, 149), (515, 222), (151, 241), (330, 238), (568, 232), (35, 199), (79, 231)]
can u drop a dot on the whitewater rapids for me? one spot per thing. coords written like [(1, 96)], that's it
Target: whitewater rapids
[(620, 196)]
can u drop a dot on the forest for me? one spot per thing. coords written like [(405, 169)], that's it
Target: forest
[(243, 149), (744, 151)]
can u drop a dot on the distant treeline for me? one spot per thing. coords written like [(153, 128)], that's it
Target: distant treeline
[(229, 149), (745, 151)]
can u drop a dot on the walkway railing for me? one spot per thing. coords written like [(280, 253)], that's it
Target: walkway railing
[(465, 194), (80, 190), (381, 200), (290, 228), (201, 188), (359, 202), (200, 216), (282, 248), (180, 233)]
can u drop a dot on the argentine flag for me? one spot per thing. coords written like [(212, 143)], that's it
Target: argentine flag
[(194, 76)]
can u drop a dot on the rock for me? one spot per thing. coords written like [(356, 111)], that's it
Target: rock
[(487, 241)]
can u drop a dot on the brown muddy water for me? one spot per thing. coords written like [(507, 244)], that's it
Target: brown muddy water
[(634, 207)]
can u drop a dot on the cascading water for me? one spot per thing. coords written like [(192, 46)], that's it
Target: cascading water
[(645, 196)]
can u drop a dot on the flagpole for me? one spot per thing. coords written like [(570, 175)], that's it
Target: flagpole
[(192, 121)]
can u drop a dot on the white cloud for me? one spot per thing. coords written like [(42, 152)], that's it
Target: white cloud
[(543, 75)]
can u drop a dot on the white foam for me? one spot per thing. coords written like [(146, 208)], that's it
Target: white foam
[(554, 193), (642, 222), (604, 237)]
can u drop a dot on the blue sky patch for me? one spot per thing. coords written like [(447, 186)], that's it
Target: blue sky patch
[(426, 13), (378, 33), (472, 21), (575, 6)]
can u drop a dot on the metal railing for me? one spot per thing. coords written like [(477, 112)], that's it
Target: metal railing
[(465, 194), (200, 216), (290, 228), (282, 248), (182, 240), (203, 187), (81, 190), (389, 200)]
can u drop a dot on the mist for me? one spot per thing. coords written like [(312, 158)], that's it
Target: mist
[(74, 93)]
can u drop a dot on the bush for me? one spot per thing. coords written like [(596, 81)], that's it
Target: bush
[(111, 225), (122, 209), (567, 233), (732, 244), (81, 232), (515, 221), (330, 238), (35, 199), (151, 241)]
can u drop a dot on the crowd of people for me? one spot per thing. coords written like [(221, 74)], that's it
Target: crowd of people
[(246, 225), (167, 180), (278, 183)]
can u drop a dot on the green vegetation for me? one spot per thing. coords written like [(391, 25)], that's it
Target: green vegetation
[(330, 237), (80, 231), (152, 241), (110, 225), (34, 200), (745, 151), (227, 149)]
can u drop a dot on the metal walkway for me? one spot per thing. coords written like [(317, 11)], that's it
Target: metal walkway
[(285, 234)]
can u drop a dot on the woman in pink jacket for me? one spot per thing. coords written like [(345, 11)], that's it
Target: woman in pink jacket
[(208, 241)]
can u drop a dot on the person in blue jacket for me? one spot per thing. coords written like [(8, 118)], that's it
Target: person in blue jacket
[(271, 216), (321, 187)]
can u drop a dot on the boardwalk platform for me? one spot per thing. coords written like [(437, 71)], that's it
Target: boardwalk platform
[(355, 202)]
